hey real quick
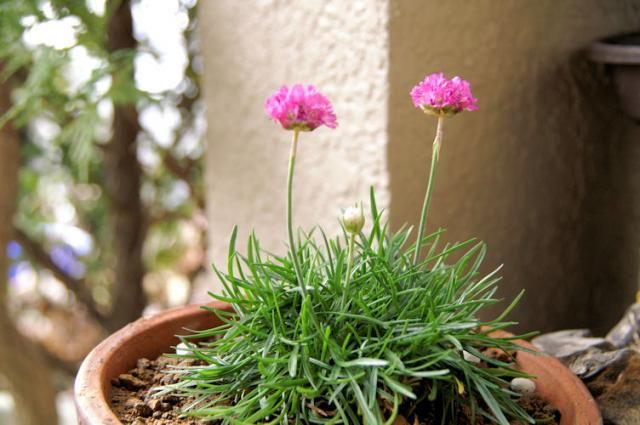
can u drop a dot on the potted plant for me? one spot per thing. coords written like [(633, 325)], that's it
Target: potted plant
[(622, 55), (367, 328)]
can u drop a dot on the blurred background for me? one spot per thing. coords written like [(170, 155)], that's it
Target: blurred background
[(132, 138), (102, 197)]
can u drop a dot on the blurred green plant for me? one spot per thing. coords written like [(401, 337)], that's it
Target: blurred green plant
[(67, 127)]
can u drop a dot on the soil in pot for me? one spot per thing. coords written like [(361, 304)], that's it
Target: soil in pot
[(134, 403)]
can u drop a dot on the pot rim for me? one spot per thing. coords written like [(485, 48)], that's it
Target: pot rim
[(93, 381), (609, 52), (112, 357)]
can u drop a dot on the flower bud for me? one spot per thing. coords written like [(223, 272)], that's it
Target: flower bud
[(353, 219)]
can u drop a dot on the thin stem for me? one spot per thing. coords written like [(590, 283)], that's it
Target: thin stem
[(427, 197), (352, 240), (292, 246)]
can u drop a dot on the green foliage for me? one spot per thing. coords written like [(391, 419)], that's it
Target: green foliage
[(79, 115), (388, 342), (40, 75)]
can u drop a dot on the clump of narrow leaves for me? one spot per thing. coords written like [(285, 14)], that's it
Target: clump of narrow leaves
[(384, 342)]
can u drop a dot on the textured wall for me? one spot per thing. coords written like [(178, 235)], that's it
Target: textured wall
[(543, 171), (251, 49)]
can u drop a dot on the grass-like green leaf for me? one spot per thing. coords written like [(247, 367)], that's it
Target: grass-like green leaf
[(357, 353)]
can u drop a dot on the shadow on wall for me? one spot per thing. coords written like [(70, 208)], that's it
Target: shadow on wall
[(543, 172)]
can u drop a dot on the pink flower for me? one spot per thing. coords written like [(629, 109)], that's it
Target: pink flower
[(302, 108), (438, 95)]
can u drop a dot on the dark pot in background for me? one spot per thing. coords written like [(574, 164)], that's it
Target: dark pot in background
[(151, 337), (622, 55)]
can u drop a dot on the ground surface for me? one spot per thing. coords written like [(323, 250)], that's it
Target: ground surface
[(135, 405)]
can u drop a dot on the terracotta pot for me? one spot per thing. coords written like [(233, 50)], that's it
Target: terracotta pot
[(151, 337), (622, 55)]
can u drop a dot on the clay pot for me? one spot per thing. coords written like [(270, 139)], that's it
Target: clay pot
[(151, 337), (622, 55)]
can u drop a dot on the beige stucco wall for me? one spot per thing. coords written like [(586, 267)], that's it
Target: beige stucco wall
[(251, 49), (544, 171), (539, 171)]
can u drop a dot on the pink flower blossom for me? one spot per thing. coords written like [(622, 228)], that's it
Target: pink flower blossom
[(438, 95), (300, 108)]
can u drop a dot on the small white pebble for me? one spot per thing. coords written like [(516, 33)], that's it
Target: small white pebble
[(470, 357), (523, 386), (183, 349)]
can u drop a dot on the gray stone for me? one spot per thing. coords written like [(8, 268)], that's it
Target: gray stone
[(523, 386), (183, 349), (627, 331), (568, 343), (470, 357), (591, 362)]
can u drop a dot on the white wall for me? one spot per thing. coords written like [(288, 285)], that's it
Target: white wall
[(252, 48)]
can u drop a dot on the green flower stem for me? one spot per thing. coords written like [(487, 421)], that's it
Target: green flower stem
[(427, 197), (292, 246), (352, 241)]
